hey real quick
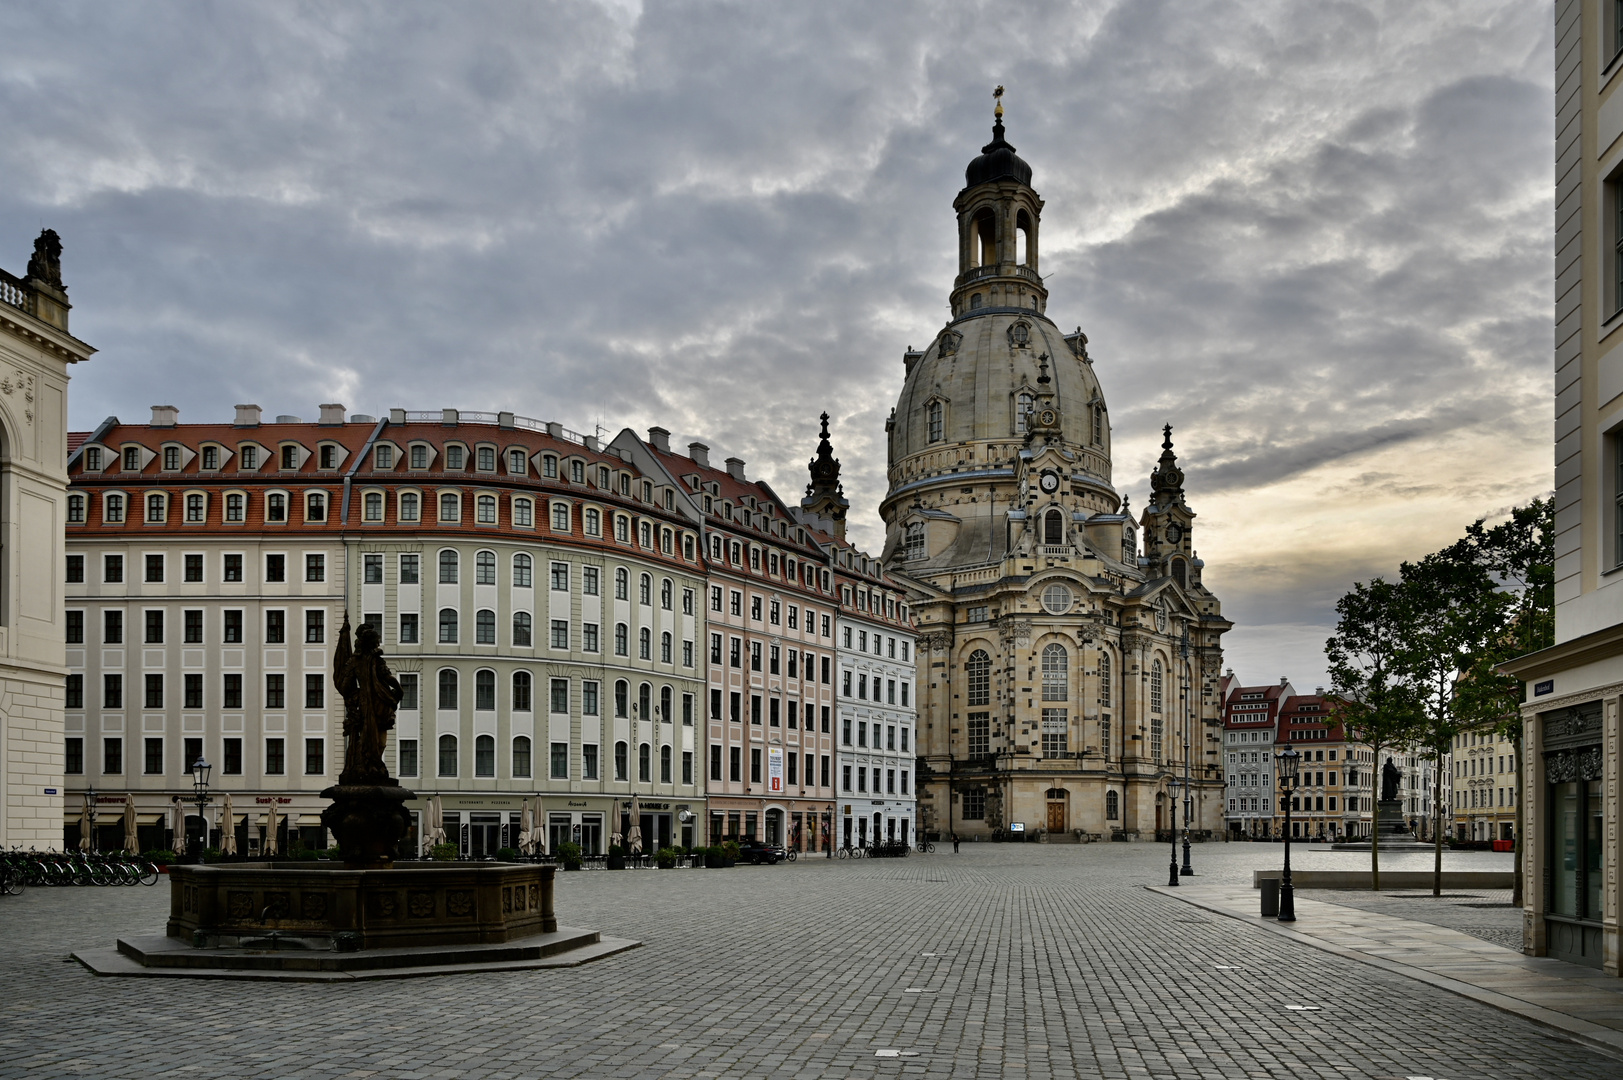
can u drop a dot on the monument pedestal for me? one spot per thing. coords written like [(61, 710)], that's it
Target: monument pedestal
[(1390, 822), (369, 821)]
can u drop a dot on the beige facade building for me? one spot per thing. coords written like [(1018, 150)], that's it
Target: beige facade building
[(1572, 736), (1482, 774), (35, 351), (1066, 676)]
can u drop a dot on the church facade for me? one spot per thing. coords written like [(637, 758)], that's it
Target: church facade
[(1069, 668)]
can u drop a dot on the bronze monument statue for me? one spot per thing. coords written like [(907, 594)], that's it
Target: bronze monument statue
[(45, 265), (1389, 781), (368, 813)]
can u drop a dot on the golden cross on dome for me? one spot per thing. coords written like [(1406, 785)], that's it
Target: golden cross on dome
[(997, 95)]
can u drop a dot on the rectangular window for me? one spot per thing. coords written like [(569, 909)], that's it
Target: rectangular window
[(755, 765), (735, 764), (112, 691), (275, 627), (315, 568), (231, 759), (408, 690), (588, 698), (588, 761), (560, 696), (76, 628), (76, 569), (275, 568), (154, 691), (74, 760), (112, 569), (560, 577), (974, 804), (408, 629), (275, 691), (232, 625), (408, 757), (152, 758), (315, 627), (112, 755), (715, 761), (193, 569), (232, 692), (560, 633), (192, 691), (1056, 725), (845, 778), (75, 692), (154, 568), (315, 757), (979, 731), (315, 691), (192, 626), (275, 757), (410, 568), (232, 568), (112, 626)]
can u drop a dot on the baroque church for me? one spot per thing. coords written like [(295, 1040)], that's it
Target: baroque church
[(1068, 670)]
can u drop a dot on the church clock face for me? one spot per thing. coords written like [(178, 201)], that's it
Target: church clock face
[(1049, 481), (1047, 418), (1174, 533)]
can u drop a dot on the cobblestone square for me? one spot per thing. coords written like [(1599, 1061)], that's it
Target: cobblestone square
[(1005, 961)]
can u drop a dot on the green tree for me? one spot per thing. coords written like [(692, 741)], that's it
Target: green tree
[(1520, 555), (1370, 697), (1450, 610)]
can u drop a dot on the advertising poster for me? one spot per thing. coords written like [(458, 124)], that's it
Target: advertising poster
[(774, 769)]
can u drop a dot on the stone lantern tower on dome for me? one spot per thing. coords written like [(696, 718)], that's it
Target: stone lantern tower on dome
[(1064, 678)]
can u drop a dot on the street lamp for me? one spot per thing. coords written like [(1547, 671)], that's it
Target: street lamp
[(1290, 763), (1172, 802), (90, 798), (200, 793), (1188, 788)]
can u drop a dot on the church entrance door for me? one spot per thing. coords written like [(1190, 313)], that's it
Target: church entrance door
[(1056, 817)]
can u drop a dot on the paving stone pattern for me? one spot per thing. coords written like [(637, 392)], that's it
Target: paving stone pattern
[(1482, 913), (1049, 961)]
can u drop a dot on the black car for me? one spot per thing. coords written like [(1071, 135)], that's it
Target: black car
[(754, 851)]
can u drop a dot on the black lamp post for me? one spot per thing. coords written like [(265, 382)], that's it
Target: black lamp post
[(90, 800), (1172, 802), (200, 794), (1290, 763), (1188, 787)]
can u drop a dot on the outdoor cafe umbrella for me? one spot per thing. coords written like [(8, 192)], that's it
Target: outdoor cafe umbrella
[(132, 842), (269, 847), (84, 827), (228, 826), (526, 838), (634, 837), (180, 829), (436, 822)]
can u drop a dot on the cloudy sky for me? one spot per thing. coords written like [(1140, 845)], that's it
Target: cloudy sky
[(1315, 237)]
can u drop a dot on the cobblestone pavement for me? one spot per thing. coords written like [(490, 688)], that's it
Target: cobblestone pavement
[(1006, 961), (1482, 913)]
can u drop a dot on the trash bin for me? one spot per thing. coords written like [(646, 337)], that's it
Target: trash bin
[(1270, 895)]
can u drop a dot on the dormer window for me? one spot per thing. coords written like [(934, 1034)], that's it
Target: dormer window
[(132, 459), (157, 508), (549, 466), (290, 457), (248, 456), (234, 505), (625, 484), (383, 457), (171, 459), (113, 509), (577, 472), (487, 459), (453, 457), (517, 463), (647, 491), (93, 459), (315, 507), (913, 541), (329, 456), (937, 426), (276, 507), (76, 509), (211, 457), (419, 456)]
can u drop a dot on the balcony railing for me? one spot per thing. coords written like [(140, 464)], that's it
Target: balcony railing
[(15, 292)]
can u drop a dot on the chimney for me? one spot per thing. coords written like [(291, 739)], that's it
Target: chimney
[(735, 469), (660, 438), (247, 416), (1284, 679), (1319, 691), (699, 453), (165, 415), (331, 414)]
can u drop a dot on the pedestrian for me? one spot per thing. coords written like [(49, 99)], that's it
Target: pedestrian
[(955, 843)]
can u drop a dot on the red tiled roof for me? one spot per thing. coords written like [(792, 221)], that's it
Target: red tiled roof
[(77, 439)]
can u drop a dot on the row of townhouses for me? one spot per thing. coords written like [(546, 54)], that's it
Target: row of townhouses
[(577, 622)]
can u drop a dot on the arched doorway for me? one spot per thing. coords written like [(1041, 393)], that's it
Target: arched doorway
[(1057, 809), (774, 826)]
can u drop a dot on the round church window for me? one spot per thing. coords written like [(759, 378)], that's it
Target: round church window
[(1057, 599)]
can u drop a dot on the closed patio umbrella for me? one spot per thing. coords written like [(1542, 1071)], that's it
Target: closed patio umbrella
[(132, 841), (270, 831), (436, 822), (228, 826), (526, 837), (84, 827), (634, 837), (180, 829)]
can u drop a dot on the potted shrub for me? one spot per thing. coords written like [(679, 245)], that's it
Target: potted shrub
[(443, 852), (617, 857), (730, 853), (507, 854), (665, 858), (569, 854)]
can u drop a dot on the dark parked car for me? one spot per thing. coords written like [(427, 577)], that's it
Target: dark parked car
[(754, 851)]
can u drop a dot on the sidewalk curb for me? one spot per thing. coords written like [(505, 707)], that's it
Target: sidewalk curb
[(1579, 1030)]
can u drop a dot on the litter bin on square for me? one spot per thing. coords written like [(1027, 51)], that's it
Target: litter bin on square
[(1270, 895)]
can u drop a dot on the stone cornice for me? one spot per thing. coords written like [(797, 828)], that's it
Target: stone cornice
[(1600, 645), (44, 336)]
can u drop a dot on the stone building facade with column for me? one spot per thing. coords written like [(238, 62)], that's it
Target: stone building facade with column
[(1069, 674)]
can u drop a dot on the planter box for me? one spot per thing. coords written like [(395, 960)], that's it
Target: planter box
[(617, 862)]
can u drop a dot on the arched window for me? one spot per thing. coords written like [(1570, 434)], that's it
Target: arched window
[(521, 756), (937, 428), (76, 509), (484, 627), (1056, 673), (487, 458), (645, 763), (645, 700), (983, 240), (622, 698), (448, 626), (560, 517), (448, 567), (484, 568), (978, 673), (913, 541), (448, 688), (521, 571), (665, 647), (315, 507), (622, 584), (194, 507), (645, 589), (621, 764), (523, 513), (622, 642), (1024, 235), (1155, 686), (644, 644), (450, 509), (447, 755), (486, 509), (374, 506), (409, 506), (521, 629), (665, 593), (484, 690), (155, 507), (1022, 410), (484, 755), (1112, 806), (521, 691), (1180, 573), (114, 509), (1054, 527), (975, 301), (1104, 679), (593, 523), (665, 699), (664, 764)]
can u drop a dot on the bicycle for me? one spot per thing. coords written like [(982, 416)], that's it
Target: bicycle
[(791, 855), (926, 847), (848, 852)]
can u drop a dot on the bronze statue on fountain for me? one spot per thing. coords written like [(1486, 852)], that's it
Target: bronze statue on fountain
[(368, 811)]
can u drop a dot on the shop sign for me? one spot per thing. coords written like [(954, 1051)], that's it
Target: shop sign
[(279, 800), (774, 769), (1545, 687), (572, 802), (50, 791)]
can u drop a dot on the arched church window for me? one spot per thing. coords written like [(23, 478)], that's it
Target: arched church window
[(1056, 673), (979, 675), (1022, 410), (985, 238), (1180, 573), (1155, 686), (1112, 806), (1024, 235), (937, 428), (975, 301), (1098, 425), (913, 541), (1054, 527), (1104, 679)]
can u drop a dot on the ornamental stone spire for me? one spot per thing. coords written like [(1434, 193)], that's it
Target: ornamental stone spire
[(825, 497)]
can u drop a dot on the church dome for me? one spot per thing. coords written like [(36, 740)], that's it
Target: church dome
[(978, 370), (997, 161)]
